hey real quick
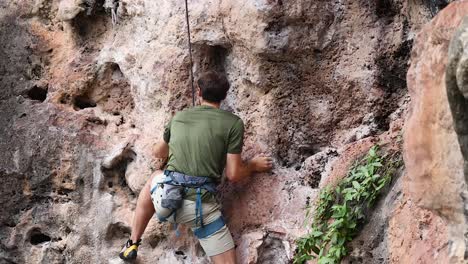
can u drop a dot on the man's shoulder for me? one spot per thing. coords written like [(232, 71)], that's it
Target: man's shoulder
[(230, 115), (182, 113), (223, 114)]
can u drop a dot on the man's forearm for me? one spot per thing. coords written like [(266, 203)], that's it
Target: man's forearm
[(247, 169), (237, 169)]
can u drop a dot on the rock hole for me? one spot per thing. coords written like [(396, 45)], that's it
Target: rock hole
[(82, 101), (308, 150), (180, 254), (111, 90), (64, 99), (96, 120), (37, 237), (207, 57), (115, 167), (64, 191), (385, 8), (275, 27), (117, 230), (93, 22), (272, 250), (116, 71), (37, 93)]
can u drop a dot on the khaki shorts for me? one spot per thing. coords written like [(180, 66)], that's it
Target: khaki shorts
[(217, 243)]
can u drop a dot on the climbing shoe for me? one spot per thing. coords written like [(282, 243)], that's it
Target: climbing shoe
[(129, 251)]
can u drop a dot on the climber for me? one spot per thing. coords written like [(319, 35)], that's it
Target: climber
[(199, 143)]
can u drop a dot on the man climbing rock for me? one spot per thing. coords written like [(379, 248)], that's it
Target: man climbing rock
[(199, 143)]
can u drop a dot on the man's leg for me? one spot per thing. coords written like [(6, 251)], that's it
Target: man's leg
[(219, 246), (144, 211), (228, 257)]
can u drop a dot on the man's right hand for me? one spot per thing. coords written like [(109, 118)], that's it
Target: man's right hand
[(261, 163)]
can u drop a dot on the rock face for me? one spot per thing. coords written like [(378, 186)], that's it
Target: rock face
[(88, 86), (435, 184)]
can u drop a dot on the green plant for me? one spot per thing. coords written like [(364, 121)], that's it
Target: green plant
[(340, 211)]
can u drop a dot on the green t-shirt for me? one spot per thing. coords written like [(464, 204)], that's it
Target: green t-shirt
[(199, 139)]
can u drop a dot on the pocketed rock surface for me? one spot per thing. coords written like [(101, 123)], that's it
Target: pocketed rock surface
[(88, 85)]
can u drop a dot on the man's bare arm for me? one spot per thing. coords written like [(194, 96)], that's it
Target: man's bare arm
[(237, 170)]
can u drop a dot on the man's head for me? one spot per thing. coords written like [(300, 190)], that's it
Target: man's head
[(213, 86)]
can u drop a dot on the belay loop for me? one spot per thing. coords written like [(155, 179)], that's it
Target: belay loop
[(190, 52)]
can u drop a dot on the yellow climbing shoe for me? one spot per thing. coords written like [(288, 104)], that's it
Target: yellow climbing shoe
[(129, 251)]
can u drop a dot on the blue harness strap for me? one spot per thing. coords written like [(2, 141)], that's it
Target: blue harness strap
[(198, 209), (164, 219), (154, 189), (209, 229)]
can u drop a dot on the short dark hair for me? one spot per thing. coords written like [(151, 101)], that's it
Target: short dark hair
[(213, 85)]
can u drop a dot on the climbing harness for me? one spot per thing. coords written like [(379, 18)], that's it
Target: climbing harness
[(190, 52), (175, 185)]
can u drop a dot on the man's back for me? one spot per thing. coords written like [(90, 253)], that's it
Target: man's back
[(199, 139)]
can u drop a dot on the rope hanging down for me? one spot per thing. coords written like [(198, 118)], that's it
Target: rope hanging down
[(190, 52)]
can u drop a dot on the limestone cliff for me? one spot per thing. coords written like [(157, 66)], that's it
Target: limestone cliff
[(88, 85)]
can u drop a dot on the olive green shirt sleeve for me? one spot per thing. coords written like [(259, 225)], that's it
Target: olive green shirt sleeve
[(236, 137), (167, 132)]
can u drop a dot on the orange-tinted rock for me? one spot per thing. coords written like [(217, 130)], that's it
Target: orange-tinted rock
[(434, 183)]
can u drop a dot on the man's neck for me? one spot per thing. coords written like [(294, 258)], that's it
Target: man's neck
[(215, 105)]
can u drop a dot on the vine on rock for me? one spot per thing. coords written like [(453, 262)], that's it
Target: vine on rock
[(340, 212)]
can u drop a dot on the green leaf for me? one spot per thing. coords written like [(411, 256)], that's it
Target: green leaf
[(356, 185), (372, 152), (317, 233), (338, 252)]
